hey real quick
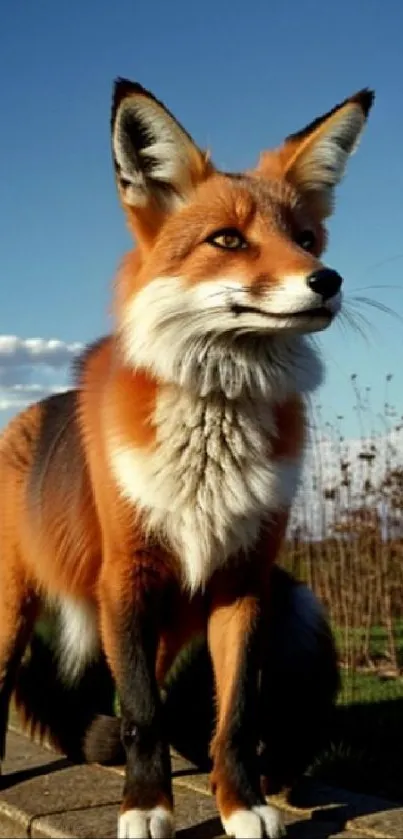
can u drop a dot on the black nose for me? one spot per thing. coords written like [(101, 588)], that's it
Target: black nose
[(325, 282)]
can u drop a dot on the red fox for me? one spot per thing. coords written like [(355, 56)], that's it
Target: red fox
[(149, 503)]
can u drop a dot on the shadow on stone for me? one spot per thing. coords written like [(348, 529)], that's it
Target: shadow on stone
[(21, 775), (209, 829)]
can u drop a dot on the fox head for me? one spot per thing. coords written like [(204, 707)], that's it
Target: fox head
[(227, 269)]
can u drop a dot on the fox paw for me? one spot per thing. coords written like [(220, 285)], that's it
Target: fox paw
[(260, 821), (157, 823)]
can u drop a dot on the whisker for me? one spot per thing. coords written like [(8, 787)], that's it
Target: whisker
[(352, 320), (357, 320), (344, 322), (378, 287), (376, 304), (376, 265), (350, 309)]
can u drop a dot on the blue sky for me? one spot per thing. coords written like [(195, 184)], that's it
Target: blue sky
[(239, 76)]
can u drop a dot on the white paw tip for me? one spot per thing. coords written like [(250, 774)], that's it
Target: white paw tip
[(272, 820), (157, 823), (260, 821)]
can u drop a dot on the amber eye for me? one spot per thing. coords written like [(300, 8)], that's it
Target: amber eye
[(306, 239), (229, 239)]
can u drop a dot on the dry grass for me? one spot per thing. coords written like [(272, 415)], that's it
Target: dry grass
[(346, 541)]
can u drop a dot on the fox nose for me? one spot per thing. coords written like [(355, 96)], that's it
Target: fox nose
[(325, 282)]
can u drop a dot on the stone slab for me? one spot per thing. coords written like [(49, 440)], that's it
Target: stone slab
[(43, 795)]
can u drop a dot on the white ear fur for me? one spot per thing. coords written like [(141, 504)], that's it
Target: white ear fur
[(154, 156), (319, 153)]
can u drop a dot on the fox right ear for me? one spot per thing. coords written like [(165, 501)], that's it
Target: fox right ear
[(314, 159), (156, 161)]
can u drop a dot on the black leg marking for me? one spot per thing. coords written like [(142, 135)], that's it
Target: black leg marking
[(148, 769), (13, 648), (131, 631)]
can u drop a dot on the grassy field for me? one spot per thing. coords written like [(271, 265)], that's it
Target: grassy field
[(378, 640), (379, 680), (368, 688)]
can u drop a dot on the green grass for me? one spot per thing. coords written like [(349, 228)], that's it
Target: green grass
[(378, 639), (358, 683), (368, 688)]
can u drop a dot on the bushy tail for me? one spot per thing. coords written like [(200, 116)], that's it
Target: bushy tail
[(299, 684), (53, 710), (298, 688)]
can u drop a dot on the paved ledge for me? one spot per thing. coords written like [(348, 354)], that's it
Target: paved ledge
[(43, 795)]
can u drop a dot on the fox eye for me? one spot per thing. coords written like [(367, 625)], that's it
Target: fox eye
[(306, 239), (229, 239)]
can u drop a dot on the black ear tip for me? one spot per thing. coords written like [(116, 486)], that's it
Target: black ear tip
[(125, 87), (121, 89), (365, 98)]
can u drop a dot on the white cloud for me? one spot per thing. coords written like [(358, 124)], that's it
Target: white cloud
[(33, 368), (20, 352)]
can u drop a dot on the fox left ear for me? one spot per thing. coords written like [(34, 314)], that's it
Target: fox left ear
[(156, 161), (315, 158)]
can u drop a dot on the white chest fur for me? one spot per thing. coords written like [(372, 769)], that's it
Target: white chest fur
[(209, 482)]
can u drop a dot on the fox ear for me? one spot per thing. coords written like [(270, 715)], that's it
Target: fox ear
[(315, 158), (156, 161)]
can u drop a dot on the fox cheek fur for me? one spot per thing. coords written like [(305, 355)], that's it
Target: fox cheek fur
[(149, 503)]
